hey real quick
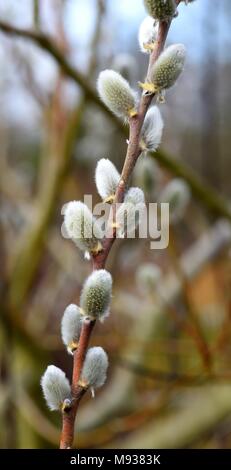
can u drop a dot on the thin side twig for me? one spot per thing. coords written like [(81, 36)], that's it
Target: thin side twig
[(192, 322), (48, 45)]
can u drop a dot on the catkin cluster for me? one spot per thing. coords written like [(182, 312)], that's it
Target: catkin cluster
[(94, 304), (84, 230)]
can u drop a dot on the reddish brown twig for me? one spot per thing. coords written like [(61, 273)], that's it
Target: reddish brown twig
[(133, 152), (79, 355), (68, 425)]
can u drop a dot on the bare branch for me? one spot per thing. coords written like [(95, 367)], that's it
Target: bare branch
[(49, 46), (206, 195), (99, 261)]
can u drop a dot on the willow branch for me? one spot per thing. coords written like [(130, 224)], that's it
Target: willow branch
[(133, 153), (133, 150), (67, 435), (136, 122), (99, 261)]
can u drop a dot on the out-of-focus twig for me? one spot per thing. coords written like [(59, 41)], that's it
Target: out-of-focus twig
[(202, 191), (201, 411), (197, 331), (49, 46), (120, 393), (36, 13), (30, 249), (179, 379)]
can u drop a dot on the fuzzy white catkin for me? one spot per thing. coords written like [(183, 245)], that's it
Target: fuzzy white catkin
[(56, 387), (125, 220), (168, 67), (134, 196), (94, 372), (107, 178), (152, 130), (147, 34), (71, 327), (96, 295), (177, 194), (116, 93), (81, 227), (160, 9), (148, 276), (129, 214)]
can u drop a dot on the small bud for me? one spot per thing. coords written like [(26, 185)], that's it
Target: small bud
[(148, 276), (117, 94), (94, 372), (166, 69), (71, 327), (81, 227), (56, 388), (147, 34), (152, 130), (160, 9), (96, 295), (177, 194), (107, 179), (130, 213)]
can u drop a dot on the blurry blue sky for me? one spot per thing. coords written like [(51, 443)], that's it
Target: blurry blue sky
[(125, 17), (120, 29)]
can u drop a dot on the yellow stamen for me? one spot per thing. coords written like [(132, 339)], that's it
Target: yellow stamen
[(150, 87), (150, 46), (65, 406), (142, 145), (83, 384), (132, 112), (110, 199), (73, 346), (115, 225), (97, 249)]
